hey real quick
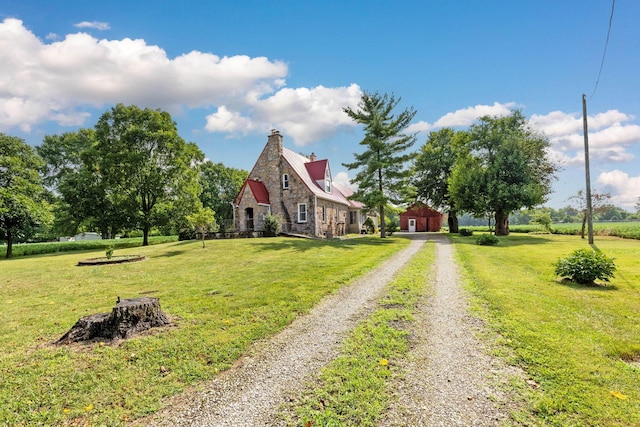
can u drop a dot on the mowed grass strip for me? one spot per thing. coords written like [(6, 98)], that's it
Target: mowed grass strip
[(355, 388), (222, 298), (580, 344)]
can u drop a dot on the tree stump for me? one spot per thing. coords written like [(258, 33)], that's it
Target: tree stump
[(126, 319)]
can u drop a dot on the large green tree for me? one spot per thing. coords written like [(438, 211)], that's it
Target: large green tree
[(381, 172), (73, 172), (23, 205), (149, 170), (432, 169), (504, 168), (220, 184)]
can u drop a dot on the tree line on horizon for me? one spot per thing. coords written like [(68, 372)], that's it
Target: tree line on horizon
[(133, 173)]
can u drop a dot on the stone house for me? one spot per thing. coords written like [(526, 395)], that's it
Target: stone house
[(300, 190)]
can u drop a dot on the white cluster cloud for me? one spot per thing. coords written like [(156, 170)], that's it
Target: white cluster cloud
[(61, 80), (463, 117), (344, 179), (306, 115), (625, 189), (58, 81), (610, 133)]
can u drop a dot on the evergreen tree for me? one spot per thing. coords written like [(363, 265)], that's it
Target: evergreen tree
[(381, 174)]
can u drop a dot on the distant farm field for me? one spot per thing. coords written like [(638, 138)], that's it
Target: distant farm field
[(221, 299), (626, 230)]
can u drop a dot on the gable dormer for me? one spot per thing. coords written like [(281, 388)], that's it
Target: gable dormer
[(320, 173)]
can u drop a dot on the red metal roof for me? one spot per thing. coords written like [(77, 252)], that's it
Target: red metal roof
[(420, 211), (316, 169), (259, 191), (347, 192), (298, 164)]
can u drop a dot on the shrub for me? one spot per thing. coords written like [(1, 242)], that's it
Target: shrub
[(369, 226), (585, 267), (391, 225), (272, 225), (109, 252), (466, 232), (487, 240)]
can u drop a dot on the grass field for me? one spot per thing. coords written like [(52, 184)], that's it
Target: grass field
[(581, 345), (222, 298)]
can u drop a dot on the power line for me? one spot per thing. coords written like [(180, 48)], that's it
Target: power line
[(613, 6)]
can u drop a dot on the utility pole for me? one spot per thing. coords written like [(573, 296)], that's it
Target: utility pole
[(586, 168)]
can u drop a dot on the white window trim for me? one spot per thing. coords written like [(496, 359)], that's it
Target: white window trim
[(327, 180), (300, 212), (285, 181)]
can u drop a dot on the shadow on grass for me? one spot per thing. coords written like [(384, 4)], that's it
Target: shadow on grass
[(169, 254), (302, 245), (594, 287), (504, 241)]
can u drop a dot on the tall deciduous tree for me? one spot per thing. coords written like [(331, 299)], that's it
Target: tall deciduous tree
[(220, 184), (432, 169), (381, 174), (148, 167), (72, 171), (23, 204), (505, 168)]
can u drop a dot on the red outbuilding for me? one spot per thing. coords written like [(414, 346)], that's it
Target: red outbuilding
[(420, 217)]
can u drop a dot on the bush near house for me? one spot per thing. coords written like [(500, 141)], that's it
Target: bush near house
[(272, 225)]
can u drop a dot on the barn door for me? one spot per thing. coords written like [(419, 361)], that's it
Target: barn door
[(412, 225)]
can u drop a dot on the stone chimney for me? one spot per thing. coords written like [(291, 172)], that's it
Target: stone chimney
[(312, 157), (275, 142)]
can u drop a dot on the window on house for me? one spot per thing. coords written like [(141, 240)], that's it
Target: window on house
[(324, 213), (302, 212), (353, 217), (285, 181), (327, 180)]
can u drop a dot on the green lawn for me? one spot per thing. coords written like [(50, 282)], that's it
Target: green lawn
[(578, 343), (222, 298)]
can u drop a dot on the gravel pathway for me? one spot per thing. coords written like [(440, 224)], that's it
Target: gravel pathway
[(250, 393), (449, 380)]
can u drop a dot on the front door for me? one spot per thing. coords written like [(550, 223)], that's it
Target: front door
[(412, 225), (248, 216)]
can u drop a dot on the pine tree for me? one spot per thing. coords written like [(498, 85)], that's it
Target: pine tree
[(381, 168)]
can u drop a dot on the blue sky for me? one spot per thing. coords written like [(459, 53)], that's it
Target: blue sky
[(230, 71)]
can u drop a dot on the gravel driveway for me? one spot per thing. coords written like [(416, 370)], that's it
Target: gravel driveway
[(450, 379), (446, 384)]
